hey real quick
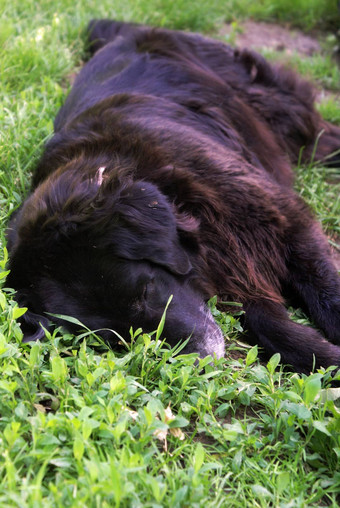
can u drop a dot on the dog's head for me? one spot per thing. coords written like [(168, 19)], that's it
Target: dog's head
[(109, 254)]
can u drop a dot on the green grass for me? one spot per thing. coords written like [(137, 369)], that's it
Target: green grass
[(84, 426), (81, 425), (305, 14), (330, 109)]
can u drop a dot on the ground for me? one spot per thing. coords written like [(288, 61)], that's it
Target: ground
[(259, 35)]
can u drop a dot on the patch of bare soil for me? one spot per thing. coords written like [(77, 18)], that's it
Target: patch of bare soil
[(259, 35)]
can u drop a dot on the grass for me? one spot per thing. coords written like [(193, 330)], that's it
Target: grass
[(85, 426), (302, 13), (82, 425)]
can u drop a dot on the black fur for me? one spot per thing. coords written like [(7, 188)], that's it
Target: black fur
[(169, 173)]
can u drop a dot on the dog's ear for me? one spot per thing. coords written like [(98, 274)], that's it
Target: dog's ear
[(32, 326), (159, 248), (147, 229)]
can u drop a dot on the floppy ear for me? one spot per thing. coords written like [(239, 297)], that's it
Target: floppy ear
[(159, 249), (32, 326), (147, 229)]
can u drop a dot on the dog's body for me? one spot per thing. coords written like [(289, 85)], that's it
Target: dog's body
[(169, 173)]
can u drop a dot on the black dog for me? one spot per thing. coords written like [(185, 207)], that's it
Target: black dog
[(169, 173)]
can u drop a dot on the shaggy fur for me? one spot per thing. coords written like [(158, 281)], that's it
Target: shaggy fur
[(169, 173)]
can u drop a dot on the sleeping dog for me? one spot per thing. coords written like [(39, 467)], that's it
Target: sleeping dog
[(169, 173)]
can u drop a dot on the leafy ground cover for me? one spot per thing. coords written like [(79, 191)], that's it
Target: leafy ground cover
[(82, 425)]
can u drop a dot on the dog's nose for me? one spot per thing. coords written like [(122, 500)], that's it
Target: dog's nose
[(207, 341)]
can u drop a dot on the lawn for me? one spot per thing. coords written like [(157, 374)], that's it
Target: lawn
[(84, 426)]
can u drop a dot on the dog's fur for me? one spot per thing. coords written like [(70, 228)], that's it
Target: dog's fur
[(169, 173)]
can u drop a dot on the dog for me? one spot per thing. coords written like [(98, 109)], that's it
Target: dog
[(170, 174)]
